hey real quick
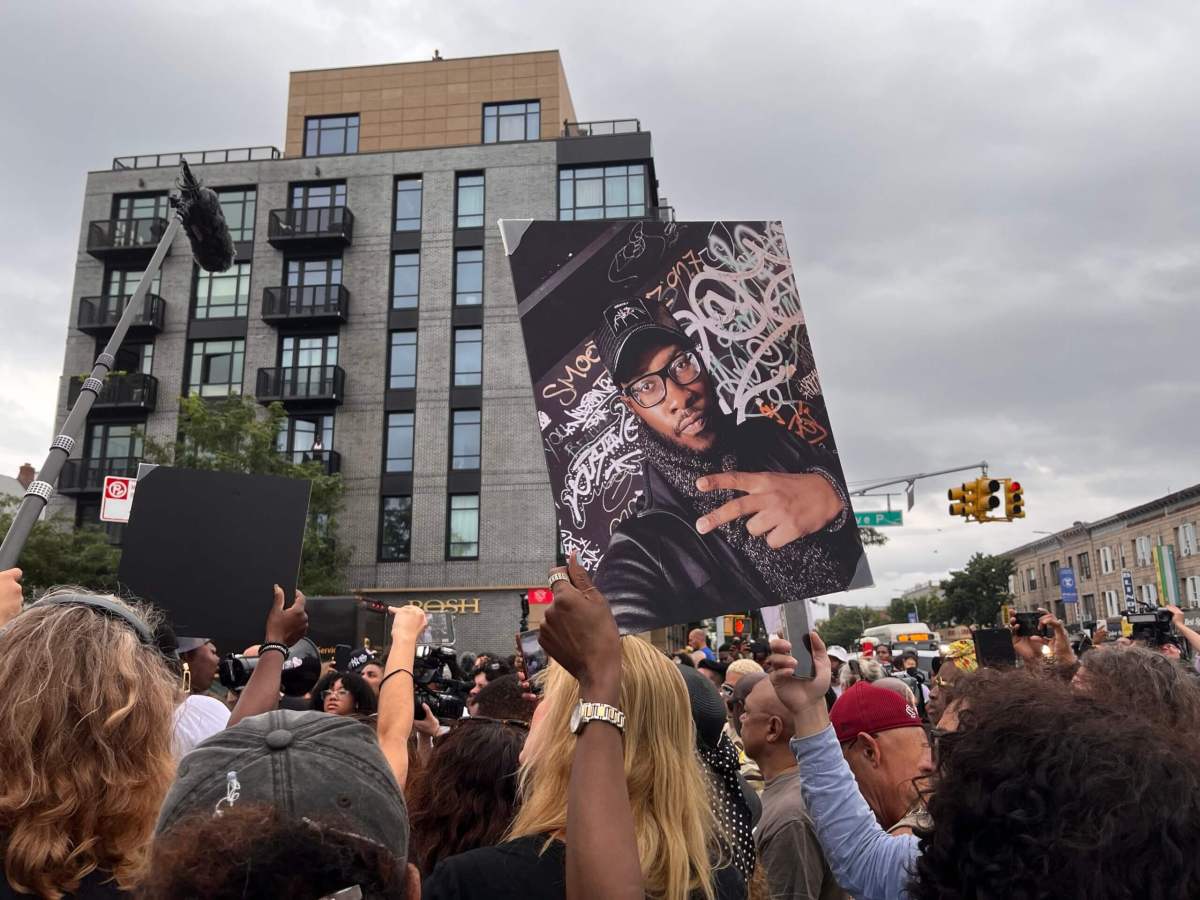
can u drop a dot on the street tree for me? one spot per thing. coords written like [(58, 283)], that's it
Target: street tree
[(847, 623), (930, 609), (872, 537), (974, 594), (57, 553), (232, 435)]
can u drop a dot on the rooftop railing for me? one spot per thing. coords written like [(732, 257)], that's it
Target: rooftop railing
[(601, 127), (197, 158)]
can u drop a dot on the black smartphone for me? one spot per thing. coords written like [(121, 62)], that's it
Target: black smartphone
[(439, 630), (796, 628), (532, 655), (994, 648), (341, 657), (1027, 624)]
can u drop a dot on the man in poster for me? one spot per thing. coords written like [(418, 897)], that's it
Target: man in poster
[(730, 515)]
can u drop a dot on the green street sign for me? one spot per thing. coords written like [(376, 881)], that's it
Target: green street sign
[(880, 519)]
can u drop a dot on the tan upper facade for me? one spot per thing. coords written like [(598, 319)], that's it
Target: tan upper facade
[(435, 103), (1098, 553)]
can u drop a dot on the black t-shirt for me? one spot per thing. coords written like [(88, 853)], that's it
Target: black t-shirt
[(517, 871)]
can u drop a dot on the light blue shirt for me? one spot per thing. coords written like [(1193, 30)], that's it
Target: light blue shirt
[(867, 862)]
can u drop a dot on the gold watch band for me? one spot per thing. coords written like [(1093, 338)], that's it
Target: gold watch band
[(590, 711)]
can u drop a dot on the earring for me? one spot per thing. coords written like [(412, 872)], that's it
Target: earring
[(187, 678)]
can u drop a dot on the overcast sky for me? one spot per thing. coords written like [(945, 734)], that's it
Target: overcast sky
[(993, 208)]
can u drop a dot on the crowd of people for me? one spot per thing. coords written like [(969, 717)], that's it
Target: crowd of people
[(619, 771)]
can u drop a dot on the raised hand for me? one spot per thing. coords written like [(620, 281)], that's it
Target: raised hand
[(286, 626), (579, 632), (408, 623), (800, 695), (782, 507)]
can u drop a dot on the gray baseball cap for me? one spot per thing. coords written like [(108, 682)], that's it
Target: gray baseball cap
[(627, 326), (188, 644), (328, 769)]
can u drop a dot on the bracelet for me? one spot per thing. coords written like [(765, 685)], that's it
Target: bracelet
[(390, 674), (273, 645)]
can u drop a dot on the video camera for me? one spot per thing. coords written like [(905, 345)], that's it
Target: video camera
[(1153, 627), (438, 683), (301, 669)]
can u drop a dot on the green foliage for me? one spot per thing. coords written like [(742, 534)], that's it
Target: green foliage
[(57, 553), (975, 594), (847, 623), (872, 537), (232, 436), (931, 610)]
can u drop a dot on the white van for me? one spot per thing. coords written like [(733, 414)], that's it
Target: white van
[(908, 636)]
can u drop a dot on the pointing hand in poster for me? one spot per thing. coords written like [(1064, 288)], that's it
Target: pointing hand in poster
[(783, 506)]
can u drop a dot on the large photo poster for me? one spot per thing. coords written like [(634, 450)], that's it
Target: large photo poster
[(691, 455)]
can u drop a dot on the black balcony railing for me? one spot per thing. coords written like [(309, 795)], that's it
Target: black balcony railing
[(321, 225), (131, 393), (196, 157), (107, 237), (86, 476), (330, 461), (600, 127), (315, 303), (301, 384), (99, 315)]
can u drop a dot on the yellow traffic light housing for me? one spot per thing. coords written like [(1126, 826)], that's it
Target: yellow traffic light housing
[(985, 498), (1014, 500), (962, 499)]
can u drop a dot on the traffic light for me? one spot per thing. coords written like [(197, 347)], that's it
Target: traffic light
[(985, 498), (1014, 499), (736, 626), (962, 499)]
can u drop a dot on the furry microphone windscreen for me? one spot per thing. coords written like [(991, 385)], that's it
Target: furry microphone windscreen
[(212, 245)]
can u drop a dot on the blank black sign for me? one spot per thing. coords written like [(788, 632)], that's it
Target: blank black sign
[(206, 547)]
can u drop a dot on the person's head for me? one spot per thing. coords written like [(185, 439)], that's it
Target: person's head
[(713, 670), (736, 698), (725, 653), (344, 694), (862, 669), (737, 670), (667, 791), (896, 686), (958, 660), (285, 804), (466, 793), (883, 653), (372, 674), (885, 746), (485, 674), (1148, 683), (837, 658), (1170, 649), (200, 654), (766, 723), (909, 660), (1043, 792), (85, 737), (503, 698), (683, 658), (697, 639)]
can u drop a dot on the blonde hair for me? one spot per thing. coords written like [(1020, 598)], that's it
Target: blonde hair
[(743, 667), (85, 737), (675, 827)]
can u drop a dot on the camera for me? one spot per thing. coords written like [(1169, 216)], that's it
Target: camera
[(1152, 627), (437, 684), (301, 669)]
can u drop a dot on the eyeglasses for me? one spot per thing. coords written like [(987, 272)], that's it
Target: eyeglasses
[(650, 389), (338, 694), (936, 739), (727, 690)]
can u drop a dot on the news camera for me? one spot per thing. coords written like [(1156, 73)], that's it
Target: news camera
[(301, 669), (438, 683), (1153, 627)]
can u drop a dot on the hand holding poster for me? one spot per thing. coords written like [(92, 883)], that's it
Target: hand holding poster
[(690, 453)]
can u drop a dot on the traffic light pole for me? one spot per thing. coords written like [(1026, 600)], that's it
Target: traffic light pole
[(914, 478)]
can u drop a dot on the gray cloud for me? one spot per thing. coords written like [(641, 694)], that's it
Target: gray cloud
[(993, 210)]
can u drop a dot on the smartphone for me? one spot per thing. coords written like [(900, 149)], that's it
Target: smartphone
[(1027, 624), (994, 648), (341, 657), (532, 655), (439, 630), (796, 628)]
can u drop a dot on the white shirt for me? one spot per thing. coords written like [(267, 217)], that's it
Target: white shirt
[(197, 718)]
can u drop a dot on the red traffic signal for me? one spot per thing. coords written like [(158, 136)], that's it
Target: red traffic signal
[(739, 626)]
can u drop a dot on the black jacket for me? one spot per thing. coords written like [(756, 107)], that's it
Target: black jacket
[(659, 570)]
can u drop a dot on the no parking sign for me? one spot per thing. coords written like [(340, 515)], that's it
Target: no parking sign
[(117, 498)]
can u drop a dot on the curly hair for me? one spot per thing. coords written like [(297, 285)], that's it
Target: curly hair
[(1047, 792), (258, 851), (86, 742), (1145, 682), (365, 699), (466, 793), (504, 699)]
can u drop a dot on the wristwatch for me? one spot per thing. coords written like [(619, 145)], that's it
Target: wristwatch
[(587, 711)]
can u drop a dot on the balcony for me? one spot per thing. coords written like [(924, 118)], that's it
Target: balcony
[(99, 315), (323, 227), (196, 158), (134, 393), (125, 238), (330, 461), (86, 476), (318, 304), (301, 385), (601, 127)]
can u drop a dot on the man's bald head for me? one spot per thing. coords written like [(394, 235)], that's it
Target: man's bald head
[(736, 701), (764, 699)]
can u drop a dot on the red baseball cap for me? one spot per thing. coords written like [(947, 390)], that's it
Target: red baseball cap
[(866, 709)]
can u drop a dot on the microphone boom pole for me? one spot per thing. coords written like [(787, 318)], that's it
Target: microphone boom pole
[(199, 210)]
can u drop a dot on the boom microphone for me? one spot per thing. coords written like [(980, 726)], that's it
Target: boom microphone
[(200, 208)]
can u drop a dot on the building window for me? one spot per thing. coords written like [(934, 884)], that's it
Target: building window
[(1187, 539), (1032, 578), (1110, 604), (408, 204), (1142, 551), (468, 357), (1106, 561), (141, 206), (120, 283), (464, 439), (1149, 593), (330, 135), (399, 442), (468, 277), (463, 532), (512, 122), (406, 280), (470, 201), (215, 368), (238, 206), (318, 196), (114, 442), (1192, 590), (402, 371), (1054, 567), (305, 438), (311, 281), (1085, 565), (395, 529), (1089, 606), (132, 356), (222, 295), (602, 192)]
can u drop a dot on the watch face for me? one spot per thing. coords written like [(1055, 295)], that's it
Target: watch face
[(575, 717)]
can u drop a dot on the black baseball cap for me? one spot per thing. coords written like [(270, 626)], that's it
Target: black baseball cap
[(627, 327)]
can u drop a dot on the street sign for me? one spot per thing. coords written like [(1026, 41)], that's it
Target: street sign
[(117, 498), (1066, 585), (1127, 583), (879, 518)]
